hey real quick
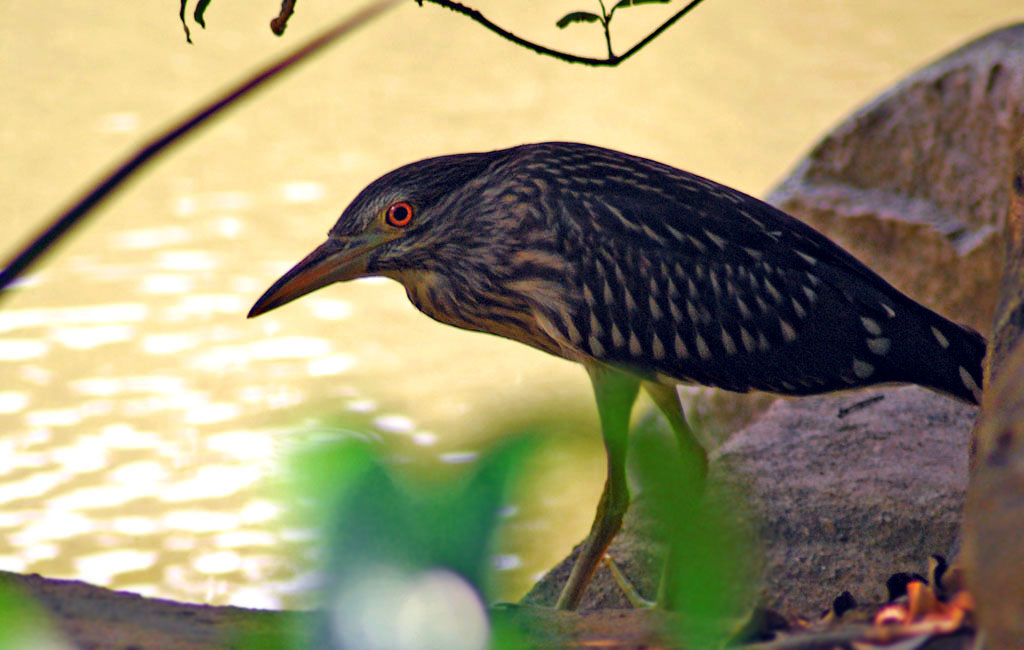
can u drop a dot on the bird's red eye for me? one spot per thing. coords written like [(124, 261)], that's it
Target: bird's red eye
[(399, 214)]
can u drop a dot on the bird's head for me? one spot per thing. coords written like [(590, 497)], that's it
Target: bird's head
[(402, 222)]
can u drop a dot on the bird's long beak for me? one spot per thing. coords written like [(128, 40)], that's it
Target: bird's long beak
[(332, 261)]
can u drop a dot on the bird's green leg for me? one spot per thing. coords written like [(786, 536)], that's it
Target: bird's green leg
[(694, 472), (694, 457), (615, 392)]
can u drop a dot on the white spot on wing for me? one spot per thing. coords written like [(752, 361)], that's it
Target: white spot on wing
[(744, 310), (634, 345), (943, 341), (655, 309), (871, 325), (728, 343), (680, 348), (888, 310), (862, 369), (718, 241), (657, 348), (798, 308), (617, 339), (677, 315), (748, 340), (788, 333), (879, 346), (807, 258), (969, 382), (702, 348)]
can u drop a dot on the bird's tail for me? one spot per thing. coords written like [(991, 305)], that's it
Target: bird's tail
[(952, 363)]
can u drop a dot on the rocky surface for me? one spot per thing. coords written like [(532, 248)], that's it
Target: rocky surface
[(916, 183)]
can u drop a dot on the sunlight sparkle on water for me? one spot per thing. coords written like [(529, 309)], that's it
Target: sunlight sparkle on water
[(54, 524), (22, 349), (254, 598), (212, 413), (329, 308), (166, 283), (393, 423), (53, 417), (108, 386), (302, 191), (146, 476), (259, 511), (241, 445), (86, 338), (121, 122), (126, 436), (13, 563), (86, 454), (37, 552), (201, 521), (217, 562), (98, 496), (100, 568), (147, 238), (332, 365), (135, 525), (229, 227), (244, 538), (187, 260), (204, 305), (128, 312), (211, 482), (219, 358), (12, 401), (168, 343)]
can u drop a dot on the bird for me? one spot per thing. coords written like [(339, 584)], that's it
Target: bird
[(648, 276)]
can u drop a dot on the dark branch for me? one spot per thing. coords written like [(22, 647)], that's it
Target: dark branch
[(612, 60), (60, 226), (277, 25)]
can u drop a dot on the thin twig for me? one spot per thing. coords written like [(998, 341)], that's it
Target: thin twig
[(611, 61), (59, 227), (278, 24)]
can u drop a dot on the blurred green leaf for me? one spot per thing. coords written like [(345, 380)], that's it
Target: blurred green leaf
[(577, 17), (407, 556), (23, 624), (712, 561)]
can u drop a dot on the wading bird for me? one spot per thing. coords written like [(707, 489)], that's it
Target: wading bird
[(647, 276)]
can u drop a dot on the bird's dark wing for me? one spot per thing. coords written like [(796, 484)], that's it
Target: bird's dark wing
[(685, 277)]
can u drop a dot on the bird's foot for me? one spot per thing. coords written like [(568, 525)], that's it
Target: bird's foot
[(628, 590)]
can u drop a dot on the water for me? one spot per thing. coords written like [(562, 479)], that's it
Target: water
[(144, 419)]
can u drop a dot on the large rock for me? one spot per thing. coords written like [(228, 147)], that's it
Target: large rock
[(848, 489), (916, 183)]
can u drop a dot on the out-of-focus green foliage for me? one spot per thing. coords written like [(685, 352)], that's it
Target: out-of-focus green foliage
[(23, 624), (712, 561), (407, 557)]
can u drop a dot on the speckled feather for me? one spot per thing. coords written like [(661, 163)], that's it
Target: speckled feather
[(592, 254)]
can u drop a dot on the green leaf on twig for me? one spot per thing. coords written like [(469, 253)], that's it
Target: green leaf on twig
[(577, 17), (632, 3)]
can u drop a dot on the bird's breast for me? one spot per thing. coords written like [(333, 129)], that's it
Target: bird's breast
[(529, 310)]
